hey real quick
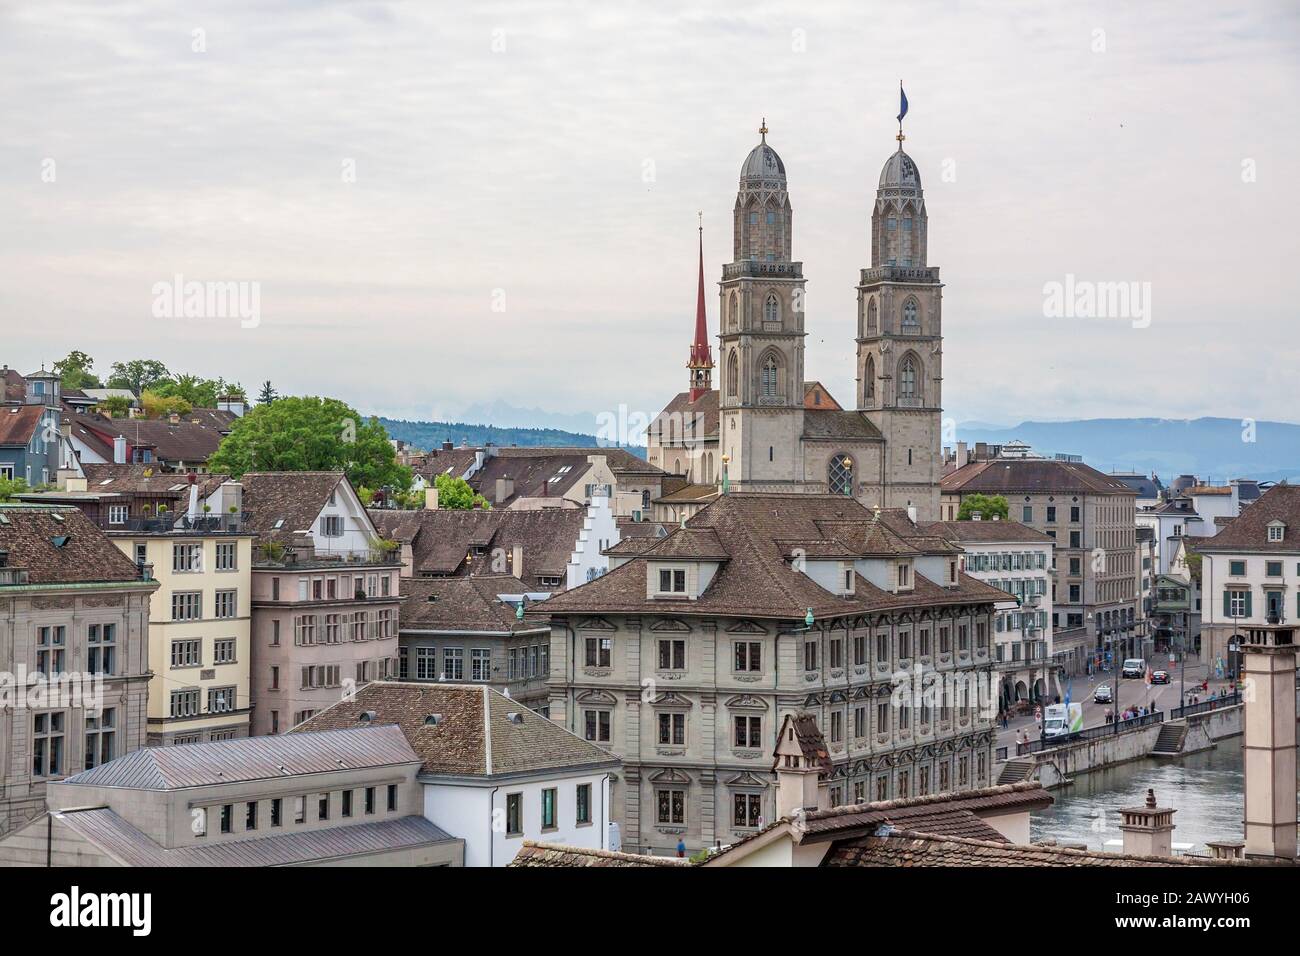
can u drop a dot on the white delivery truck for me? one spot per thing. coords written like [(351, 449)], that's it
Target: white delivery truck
[(1061, 720)]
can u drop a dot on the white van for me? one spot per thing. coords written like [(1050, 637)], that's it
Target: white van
[(1134, 667)]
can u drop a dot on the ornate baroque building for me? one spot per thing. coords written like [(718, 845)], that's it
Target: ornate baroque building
[(766, 428)]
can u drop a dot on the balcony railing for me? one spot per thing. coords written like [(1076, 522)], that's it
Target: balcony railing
[(177, 523), (759, 267), (900, 274), (1089, 733)]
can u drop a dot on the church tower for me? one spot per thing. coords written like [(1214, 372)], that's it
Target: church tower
[(900, 341), (701, 361), (761, 337)]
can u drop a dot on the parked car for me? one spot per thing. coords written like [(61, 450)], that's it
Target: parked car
[(1134, 667), (1160, 677), (1102, 695)]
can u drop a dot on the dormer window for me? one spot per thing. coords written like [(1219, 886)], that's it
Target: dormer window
[(904, 576), (1276, 531), (672, 580), (848, 580)]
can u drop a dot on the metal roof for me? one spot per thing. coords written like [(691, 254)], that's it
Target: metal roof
[(251, 758)]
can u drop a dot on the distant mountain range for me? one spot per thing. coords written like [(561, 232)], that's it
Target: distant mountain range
[(1210, 448)]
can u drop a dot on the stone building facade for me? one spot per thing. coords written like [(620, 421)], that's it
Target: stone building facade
[(686, 658), (74, 620), (757, 430)]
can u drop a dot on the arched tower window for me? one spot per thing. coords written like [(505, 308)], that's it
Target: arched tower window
[(872, 317), (772, 308), (734, 312), (870, 375), (733, 374), (839, 474), (768, 381), (909, 380), (911, 325)]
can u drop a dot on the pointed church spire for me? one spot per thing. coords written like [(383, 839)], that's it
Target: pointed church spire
[(701, 361)]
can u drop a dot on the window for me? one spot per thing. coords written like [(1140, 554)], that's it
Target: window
[(47, 744), (548, 809), (772, 308), (226, 552), (1237, 569), (1027, 513), (672, 580), (1074, 513), (1276, 531), (187, 653), (767, 386), (480, 664), (187, 605), (117, 514), (277, 810), (101, 648), (453, 663), (840, 474), (907, 380), (1075, 539), (514, 814), (733, 374), (837, 727), (323, 807), (670, 806), (598, 651), (101, 737), (331, 526), (221, 700), (810, 655), (749, 655), (304, 629), (747, 810), (911, 326), (250, 815), (184, 703), (672, 654), (963, 639), (596, 723), (187, 558), (870, 375), (51, 649), (1273, 569), (748, 731), (223, 651), (904, 575), (392, 797), (582, 803), (226, 604), (1236, 603), (672, 730)]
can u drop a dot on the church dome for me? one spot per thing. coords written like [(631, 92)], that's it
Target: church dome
[(900, 172), (762, 163)]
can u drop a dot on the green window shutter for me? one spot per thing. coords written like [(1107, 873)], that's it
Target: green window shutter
[(1248, 611), (1227, 604)]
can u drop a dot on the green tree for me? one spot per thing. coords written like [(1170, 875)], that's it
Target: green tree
[(456, 494), (115, 406), (138, 374), (311, 434), (75, 371), (11, 486), (986, 506), (268, 394), (160, 406)]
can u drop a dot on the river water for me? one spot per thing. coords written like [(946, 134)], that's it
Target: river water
[(1205, 788)]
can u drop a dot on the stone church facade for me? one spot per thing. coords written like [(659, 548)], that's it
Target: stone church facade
[(758, 431)]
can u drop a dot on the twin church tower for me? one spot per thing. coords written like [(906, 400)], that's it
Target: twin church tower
[(765, 427)]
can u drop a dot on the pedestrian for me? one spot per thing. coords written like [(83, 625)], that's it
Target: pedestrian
[(681, 847)]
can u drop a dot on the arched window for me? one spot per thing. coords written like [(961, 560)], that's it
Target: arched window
[(871, 316), (840, 474), (911, 325), (771, 308), (908, 380), (733, 375), (734, 311), (870, 375), (768, 381)]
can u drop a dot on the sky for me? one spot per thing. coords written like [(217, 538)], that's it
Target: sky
[(445, 205)]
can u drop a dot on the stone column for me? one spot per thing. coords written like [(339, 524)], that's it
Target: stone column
[(1269, 666)]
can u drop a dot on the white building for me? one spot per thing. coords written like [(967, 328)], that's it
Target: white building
[(1019, 560), (494, 773)]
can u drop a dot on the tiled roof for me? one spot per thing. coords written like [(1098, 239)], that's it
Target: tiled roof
[(838, 822), (292, 499), (473, 735), (1030, 476), (132, 847), (187, 441), (839, 425), (14, 385), (811, 391), (910, 849), (985, 531), (688, 494), (550, 854), (29, 534), (810, 740), (17, 422), (250, 758), (146, 480), (468, 603), (1249, 530), (682, 411), (756, 532), (441, 539)]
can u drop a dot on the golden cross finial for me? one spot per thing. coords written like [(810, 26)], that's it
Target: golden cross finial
[(762, 130)]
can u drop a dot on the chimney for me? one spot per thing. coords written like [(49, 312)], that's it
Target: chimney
[(1225, 849), (69, 480), (65, 428), (911, 513), (961, 454), (800, 751), (1148, 829), (1268, 746), (505, 488), (174, 418), (119, 450), (431, 498), (447, 445), (517, 561)]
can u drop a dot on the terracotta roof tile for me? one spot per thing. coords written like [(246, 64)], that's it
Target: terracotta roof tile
[(30, 536)]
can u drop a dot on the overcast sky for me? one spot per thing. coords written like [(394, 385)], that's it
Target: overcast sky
[(550, 158)]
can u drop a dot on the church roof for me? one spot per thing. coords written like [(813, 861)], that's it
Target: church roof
[(762, 164), (681, 406), (827, 423), (900, 172)]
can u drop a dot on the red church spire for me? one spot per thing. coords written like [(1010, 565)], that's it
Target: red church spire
[(701, 361)]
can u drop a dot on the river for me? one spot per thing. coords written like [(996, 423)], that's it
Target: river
[(1205, 788)]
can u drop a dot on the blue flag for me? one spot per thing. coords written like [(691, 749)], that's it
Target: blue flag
[(902, 103)]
